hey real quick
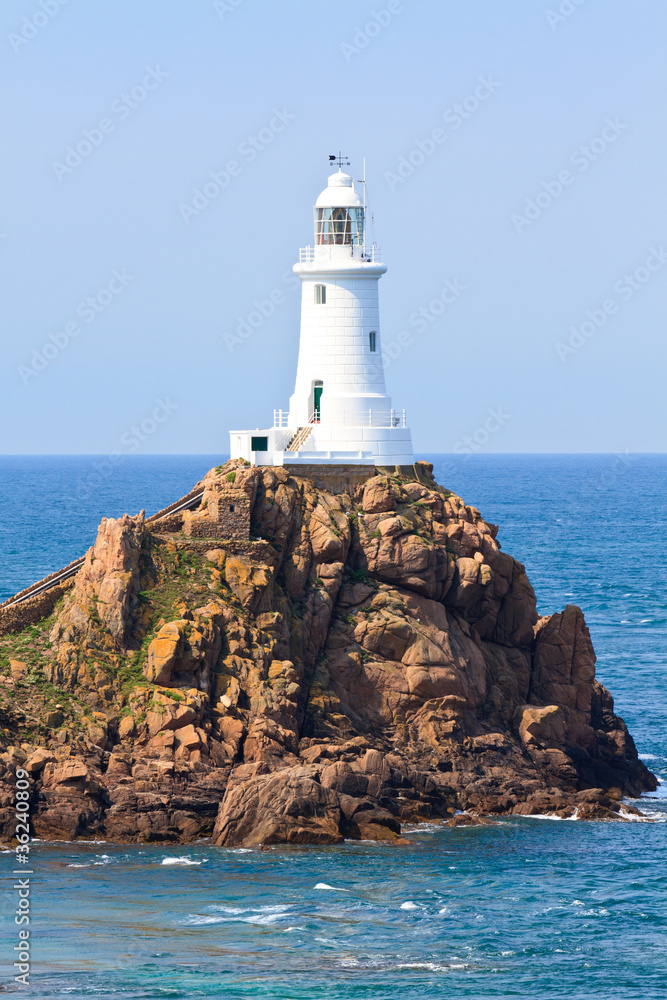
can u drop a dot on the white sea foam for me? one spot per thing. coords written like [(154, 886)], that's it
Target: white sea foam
[(236, 910), (263, 918), (75, 864), (431, 966), (332, 888), (409, 905), (554, 817), (434, 827), (195, 919), (652, 817), (661, 790), (384, 966), (181, 861)]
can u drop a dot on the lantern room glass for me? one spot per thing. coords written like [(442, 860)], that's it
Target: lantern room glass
[(339, 226)]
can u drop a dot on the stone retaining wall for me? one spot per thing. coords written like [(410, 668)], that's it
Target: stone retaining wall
[(33, 609)]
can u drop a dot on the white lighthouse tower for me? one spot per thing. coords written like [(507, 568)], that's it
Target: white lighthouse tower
[(339, 412)]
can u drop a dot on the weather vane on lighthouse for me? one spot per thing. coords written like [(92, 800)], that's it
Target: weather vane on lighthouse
[(340, 412), (341, 160)]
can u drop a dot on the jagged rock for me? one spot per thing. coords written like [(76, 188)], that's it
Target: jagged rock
[(107, 584), (373, 660)]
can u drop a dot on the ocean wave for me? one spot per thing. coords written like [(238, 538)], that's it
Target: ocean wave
[(661, 791), (196, 919), (237, 910), (181, 861), (236, 914), (388, 966), (432, 827), (332, 888), (656, 816), (409, 905), (554, 817), (431, 966)]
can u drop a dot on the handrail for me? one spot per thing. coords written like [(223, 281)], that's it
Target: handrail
[(338, 251), (375, 418)]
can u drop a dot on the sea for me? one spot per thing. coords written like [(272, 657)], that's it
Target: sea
[(523, 907)]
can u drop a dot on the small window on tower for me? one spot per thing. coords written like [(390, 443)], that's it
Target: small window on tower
[(372, 338), (320, 295)]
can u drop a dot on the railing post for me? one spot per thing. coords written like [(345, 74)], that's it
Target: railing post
[(404, 424)]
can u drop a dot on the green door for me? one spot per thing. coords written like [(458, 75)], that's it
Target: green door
[(318, 397)]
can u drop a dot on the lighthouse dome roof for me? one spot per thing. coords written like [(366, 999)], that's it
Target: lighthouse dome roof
[(339, 193)]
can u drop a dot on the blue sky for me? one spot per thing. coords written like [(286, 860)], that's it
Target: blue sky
[(531, 142)]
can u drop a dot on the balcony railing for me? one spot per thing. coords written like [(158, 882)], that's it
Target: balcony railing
[(335, 251), (370, 418)]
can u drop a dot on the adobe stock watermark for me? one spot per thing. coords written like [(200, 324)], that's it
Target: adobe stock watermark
[(87, 310), (419, 320), (262, 309), (625, 289), (565, 9), (364, 35), (22, 885), (621, 463), (581, 158), (454, 117), (32, 25), (121, 108), (224, 7), (472, 443), (248, 150), (130, 440)]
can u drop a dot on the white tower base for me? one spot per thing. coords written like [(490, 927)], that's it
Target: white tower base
[(382, 446)]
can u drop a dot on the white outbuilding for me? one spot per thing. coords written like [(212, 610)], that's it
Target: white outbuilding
[(339, 412)]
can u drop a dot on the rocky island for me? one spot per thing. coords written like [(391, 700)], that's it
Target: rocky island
[(303, 658)]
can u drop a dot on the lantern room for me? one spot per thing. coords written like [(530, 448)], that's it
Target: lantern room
[(339, 214)]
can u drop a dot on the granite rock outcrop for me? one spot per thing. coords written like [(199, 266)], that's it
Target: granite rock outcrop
[(361, 662)]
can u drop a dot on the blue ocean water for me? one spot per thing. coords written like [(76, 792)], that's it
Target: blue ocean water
[(523, 908)]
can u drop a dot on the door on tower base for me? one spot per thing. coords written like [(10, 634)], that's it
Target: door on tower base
[(318, 388)]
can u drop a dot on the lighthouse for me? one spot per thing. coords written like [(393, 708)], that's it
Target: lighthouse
[(340, 412)]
